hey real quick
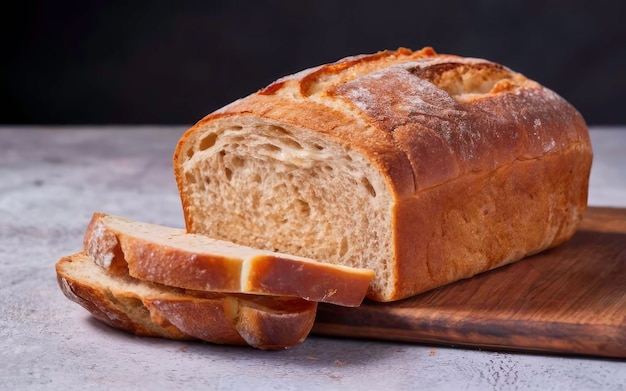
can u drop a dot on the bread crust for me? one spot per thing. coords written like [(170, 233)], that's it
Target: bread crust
[(445, 132), (209, 265), (153, 310)]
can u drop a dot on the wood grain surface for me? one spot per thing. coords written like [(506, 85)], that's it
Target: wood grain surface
[(571, 299)]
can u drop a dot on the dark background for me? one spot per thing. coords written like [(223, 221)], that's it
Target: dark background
[(172, 62)]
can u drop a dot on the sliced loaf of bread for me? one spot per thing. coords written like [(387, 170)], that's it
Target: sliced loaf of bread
[(426, 168)]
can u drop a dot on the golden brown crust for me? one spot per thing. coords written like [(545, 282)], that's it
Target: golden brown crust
[(470, 131), (495, 221), (152, 310), (115, 244), (275, 276), (276, 332), (445, 132)]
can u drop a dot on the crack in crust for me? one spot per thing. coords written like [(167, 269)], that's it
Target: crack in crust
[(319, 80), (468, 77)]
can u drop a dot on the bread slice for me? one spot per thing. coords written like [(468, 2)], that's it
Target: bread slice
[(425, 168), (171, 257), (148, 309)]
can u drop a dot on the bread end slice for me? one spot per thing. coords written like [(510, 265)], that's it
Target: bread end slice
[(153, 310)]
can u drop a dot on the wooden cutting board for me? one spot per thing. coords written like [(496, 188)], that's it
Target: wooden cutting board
[(571, 299)]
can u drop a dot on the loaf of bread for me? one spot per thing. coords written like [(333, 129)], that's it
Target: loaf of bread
[(171, 257), (148, 309), (425, 168)]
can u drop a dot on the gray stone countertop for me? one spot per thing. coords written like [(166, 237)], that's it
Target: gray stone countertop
[(51, 181)]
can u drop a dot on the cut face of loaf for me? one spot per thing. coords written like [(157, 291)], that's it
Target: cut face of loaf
[(424, 168), (254, 183), (172, 257), (154, 310)]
